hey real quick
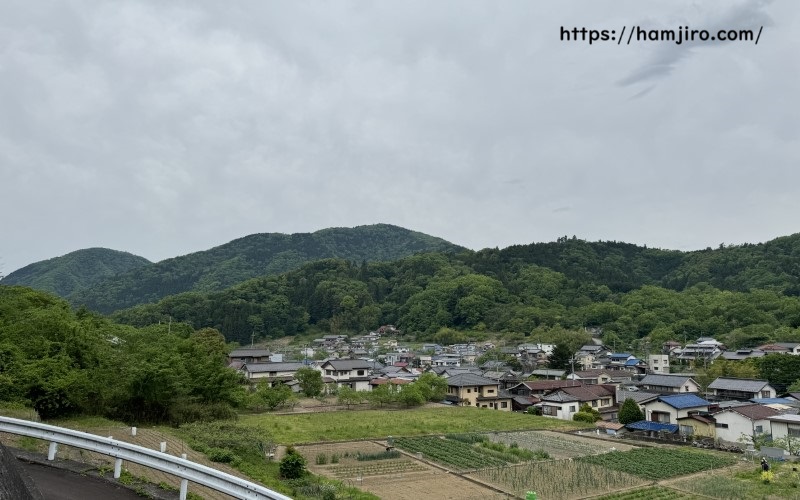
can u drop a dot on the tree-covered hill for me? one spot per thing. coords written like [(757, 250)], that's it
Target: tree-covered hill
[(74, 271), (436, 296), (250, 257)]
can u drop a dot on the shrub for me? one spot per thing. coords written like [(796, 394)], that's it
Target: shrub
[(293, 465)]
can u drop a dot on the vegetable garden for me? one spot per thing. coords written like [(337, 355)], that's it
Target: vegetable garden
[(557, 478), (464, 452), (660, 463)]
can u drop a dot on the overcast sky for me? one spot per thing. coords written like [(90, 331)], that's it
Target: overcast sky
[(163, 128)]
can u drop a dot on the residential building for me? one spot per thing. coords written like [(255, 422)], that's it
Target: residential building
[(468, 389), (353, 373), (783, 426), (249, 355), (272, 372), (658, 363), (669, 383), (739, 389), (737, 421), (667, 409), (563, 403)]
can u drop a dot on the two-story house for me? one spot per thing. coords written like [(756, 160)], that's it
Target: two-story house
[(239, 357), (272, 372), (468, 389), (563, 403), (353, 373), (668, 383), (740, 389), (668, 409)]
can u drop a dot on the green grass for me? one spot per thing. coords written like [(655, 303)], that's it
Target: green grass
[(378, 424), (660, 463), (747, 484)]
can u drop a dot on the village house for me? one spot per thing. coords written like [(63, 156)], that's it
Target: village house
[(747, 420), (239, 357), (667, 409), (664, 383), (658, 363), (740, 389), (353, 373), (783, 426), (271, 372), (563, 403), (699, 425), (468, 389)]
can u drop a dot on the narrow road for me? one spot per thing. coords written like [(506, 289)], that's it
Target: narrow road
[(59, 484)]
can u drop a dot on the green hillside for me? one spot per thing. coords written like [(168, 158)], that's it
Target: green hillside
[(250, 257), (74, 271)]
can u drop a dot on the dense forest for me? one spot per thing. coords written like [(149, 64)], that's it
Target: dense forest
[(63, 362), (744, 296), (75, 271), (226, 265)]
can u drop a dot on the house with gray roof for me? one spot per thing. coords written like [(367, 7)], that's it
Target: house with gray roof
[(740, 389), (669, 383), (271, 372), (353, 373), (564, 402), (469, 389), (249, 355)]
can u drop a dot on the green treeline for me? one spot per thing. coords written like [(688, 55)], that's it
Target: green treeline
[(632, 293), (63, 362)]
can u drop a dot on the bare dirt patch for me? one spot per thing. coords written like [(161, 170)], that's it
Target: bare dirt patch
[(400, 478)]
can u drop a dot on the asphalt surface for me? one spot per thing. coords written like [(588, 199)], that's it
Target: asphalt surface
[(60, 484)]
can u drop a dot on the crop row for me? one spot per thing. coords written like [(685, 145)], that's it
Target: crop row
[(533, 440), (450, 452), (651, 493), (660, 463), (557, 478), (377, 469)]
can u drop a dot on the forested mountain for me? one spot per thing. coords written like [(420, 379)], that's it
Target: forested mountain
[(437, 296), (74, 271), (253, 256)]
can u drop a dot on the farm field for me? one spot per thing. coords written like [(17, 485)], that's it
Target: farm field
[(744, 481), (557, 479), (379, 424), (661, 463), (390, 479), (558, 445), (652, 493)]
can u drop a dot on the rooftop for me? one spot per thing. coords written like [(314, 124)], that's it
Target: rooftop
[(682, 401), (738, 384)]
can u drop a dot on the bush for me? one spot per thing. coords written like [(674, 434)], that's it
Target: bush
[(221, 455), (293, 465)]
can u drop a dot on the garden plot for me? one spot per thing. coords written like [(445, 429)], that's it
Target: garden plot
[(558, 445), (395, 478), (557, 479)]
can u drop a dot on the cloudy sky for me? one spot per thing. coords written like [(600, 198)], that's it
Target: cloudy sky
[(162, 128)]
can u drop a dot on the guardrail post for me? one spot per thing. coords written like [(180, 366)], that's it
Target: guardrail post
[(133, 431), (117, 468), (163, 446), (51, 452), (184, 483)]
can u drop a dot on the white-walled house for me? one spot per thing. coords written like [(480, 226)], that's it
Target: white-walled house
[(747, 420), (669, 408), (353, 373), (565, 402), (658, 363)]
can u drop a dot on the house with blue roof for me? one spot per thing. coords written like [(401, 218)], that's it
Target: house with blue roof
[(668, 409)]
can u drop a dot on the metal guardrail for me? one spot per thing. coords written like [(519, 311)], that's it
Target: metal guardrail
[(180, 467)]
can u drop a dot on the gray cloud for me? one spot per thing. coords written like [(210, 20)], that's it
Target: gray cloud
[(162, 129)]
